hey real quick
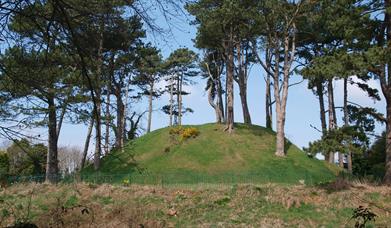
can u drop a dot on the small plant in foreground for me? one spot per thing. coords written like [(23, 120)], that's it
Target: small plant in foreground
[(126, 182), (16, 213), (362, 215)]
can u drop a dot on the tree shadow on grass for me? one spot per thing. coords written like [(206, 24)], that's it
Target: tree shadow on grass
[(115, 166), (254, 129)]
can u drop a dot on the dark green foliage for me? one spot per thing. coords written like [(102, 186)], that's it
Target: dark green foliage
[(181, 69), (4, 165), (27, 159), (344, 140), (216, 19), (372, 163), (149, 64)]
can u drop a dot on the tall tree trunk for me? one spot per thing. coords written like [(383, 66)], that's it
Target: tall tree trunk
[(110, 77), (281, 100), (123, 120), (219, 102), (230, 87), (171, 100), (150, 108), (332, 122), (387, 176), (61, 118), (215, 85), (346, 119), (107, 134), (242, 82), (340, 159), (87, 142), (98, 76), (268, 104), (386, 89), (280, 138), (268, 97), (98, 134), (214, 106), (52, 155), (180, 99), (120, 114), (243, 99), (226, 100), (319, 91)]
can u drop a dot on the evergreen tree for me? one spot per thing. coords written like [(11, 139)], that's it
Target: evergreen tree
[(181, 68), (150, 67)]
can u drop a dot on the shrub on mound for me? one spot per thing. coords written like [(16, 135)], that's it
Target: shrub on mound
[(183, 133)]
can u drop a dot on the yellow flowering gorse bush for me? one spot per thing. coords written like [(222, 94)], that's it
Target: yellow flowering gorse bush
[(184, 133)]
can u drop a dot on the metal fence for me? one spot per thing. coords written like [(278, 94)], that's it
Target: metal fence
[(175, 179)]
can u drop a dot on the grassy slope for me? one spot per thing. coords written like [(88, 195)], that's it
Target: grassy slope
[(249, 153)]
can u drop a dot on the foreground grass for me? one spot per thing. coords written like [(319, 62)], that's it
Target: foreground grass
[(269, 205), (247, 155)]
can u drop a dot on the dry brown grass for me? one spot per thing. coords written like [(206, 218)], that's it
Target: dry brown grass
[(268, 205)]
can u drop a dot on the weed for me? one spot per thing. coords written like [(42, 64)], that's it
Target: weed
[(59, 215), (362, 215), (126, 182), (71, 202), (15, 211), (223, 201), (339, 184)]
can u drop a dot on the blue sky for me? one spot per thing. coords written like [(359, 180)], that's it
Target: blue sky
[(302, 108)]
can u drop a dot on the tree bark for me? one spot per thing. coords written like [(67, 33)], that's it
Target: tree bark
[(215, 85), (268, 104), (387, 176), (98, 76), (87, 142), (219, 102), (52, 155), (319, 91), (226, 100), (332, 122), (150, 96), (230, 87), (180, 99), (346, 120), (123, 119), (280, 138), (61, 119), (242, 82), (107, 135), (98, 134), (214, 106), (385, 81), (120, 114), (243, 99), (281, 101), (171, 100)]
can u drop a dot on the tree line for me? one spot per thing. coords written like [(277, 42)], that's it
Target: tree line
[(322, 41), (88, 62), (85, 62)]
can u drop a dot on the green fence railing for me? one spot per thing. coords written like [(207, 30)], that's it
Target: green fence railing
[(164, 179)]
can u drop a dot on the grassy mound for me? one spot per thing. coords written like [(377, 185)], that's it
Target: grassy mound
[(213, 156)]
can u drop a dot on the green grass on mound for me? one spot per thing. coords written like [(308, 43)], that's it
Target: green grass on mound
[(214, 156)]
